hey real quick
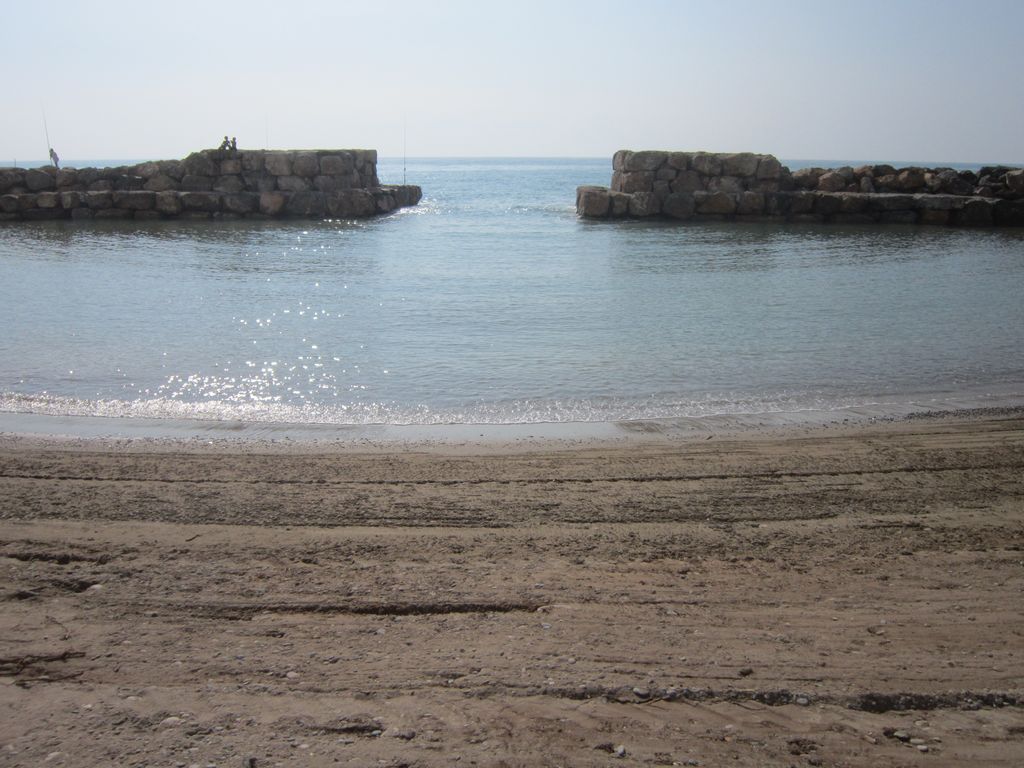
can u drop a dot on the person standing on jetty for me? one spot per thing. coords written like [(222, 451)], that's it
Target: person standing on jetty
[(54, 159)]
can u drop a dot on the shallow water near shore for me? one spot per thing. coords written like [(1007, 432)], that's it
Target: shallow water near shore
[(491, 303)]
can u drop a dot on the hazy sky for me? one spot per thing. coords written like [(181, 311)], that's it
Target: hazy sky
[(900, 79)]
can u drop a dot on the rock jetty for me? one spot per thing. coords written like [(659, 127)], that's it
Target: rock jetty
[(743, 186), (213, 183)]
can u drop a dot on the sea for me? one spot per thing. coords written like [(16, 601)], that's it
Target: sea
[(491, 303)]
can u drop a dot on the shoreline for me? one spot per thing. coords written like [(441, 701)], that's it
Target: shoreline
[(840, 596)]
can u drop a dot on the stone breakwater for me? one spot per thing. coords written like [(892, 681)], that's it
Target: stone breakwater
[(224, 184), (749, 187)]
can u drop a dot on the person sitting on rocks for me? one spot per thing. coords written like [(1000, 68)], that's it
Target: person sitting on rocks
[(234, 144), (226, 144)]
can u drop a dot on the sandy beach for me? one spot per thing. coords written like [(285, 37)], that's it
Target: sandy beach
[(841, 596)]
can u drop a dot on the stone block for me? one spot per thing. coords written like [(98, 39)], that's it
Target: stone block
[(333, 183), (241, 202), (47, 200), (619, 159), (768, 167), (229, 184), (898, 217), (9, 203), (252, 161), (665, 173), (135, 200), (1008, 213), (11, 178), (827, 203), (161, 182), (147, 215), (975, 213), (706, 164), (278, 163), (272, 203), (306, 203), (99, 200), (852, 203), (729, 184), (293, 184), (891, 202), (192, 183), (644, 204), (852, 218), (38, 180), (351, 204), (635, 181), (82, 214), (232, 166), (128, 183), (365, 159), (337, 165), (593, 202), (934, 217), (260, 181), (42, 214), (660, 189), (1014, 181), (200, 201), (750, 204), (384, 201), (112, 213), (72, 199), (715, 202), (687, 182), (680, 161), (739, 164), (173, 168), (801, 202), (306, 164), (167, 202), (777, 203), (679, 205), (645, 161), (928, 202), (619, 204), (66, 177)]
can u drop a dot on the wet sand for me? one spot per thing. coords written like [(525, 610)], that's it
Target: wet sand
[(809, 596)]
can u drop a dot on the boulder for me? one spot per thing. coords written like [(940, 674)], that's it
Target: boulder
[(332, 183), (706, 164), (886, 183), (259, 181), (272, 203), (910, 180), (882, 170), (619, 205), (619, 159), (146, 170), (679, 205), (592, 202), (365, 158), (714, 202), (645, 161), (739, 164), (38, 180), (167, 202), (665, 173), (407, 194), (801, 202), (807, 178), (9, 203), (643, 204), (768, 167), (306, 164), (72, 199), (831, 181), (384, 201), (278, 163), (199, 164), (777, 203), (1015, 181), (306, 203), (25, 201), (126, 182), (660, 189), (81, 214), (173, 168), (867, 185)]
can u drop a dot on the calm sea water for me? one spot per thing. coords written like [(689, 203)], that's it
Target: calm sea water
[(491, 302)]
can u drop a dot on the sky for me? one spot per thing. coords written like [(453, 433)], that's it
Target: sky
[(936, 80)]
